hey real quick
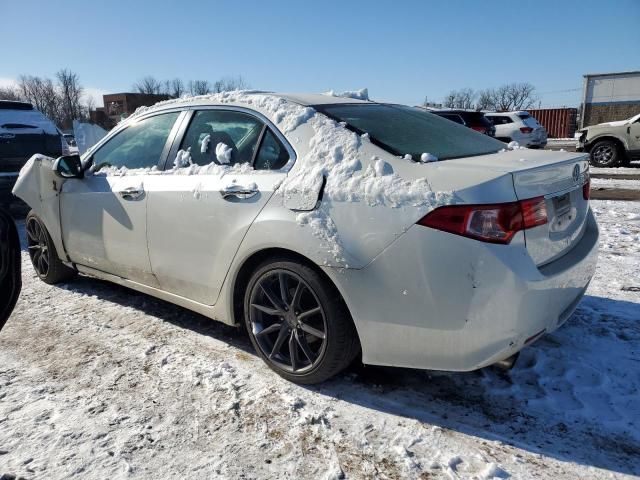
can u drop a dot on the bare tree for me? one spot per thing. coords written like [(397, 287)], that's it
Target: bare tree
[(70, 94), (485, 100), (10, 93), (450, 100), (44, 96), (512, 96), (227, 84), (523, 95), (176, 89), (148, 85), (460, 99), (199, 87)]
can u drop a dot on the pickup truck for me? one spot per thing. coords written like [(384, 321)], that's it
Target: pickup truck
[(611, 144)]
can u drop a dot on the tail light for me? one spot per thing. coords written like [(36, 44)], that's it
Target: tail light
[(496, 223), (586, 189), (526, 129), (479, 129)]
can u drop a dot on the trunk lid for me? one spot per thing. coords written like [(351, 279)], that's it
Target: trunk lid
[(559, 178)]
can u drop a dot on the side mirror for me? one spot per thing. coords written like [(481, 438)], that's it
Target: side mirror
[(68, 166)]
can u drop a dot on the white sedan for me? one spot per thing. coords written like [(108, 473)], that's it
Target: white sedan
[(330, 227)]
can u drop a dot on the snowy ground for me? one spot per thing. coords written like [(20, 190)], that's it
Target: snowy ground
[(97, 381)]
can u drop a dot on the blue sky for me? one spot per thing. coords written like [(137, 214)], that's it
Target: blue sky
[(401, 50)]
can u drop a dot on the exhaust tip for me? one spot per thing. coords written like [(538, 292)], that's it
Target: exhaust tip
[(507, 363)]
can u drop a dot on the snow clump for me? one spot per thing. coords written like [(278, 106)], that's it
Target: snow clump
[(223, 153), (362, 94)]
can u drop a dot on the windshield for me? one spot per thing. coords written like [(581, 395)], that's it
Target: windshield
[(411, 131)]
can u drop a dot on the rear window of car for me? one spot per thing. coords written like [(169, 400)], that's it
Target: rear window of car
[(476, 119), (403, 130), (18, 121)]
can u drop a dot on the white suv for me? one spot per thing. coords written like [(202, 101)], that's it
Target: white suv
[(520, 127)]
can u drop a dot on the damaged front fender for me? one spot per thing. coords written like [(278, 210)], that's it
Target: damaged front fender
[(39, 187)]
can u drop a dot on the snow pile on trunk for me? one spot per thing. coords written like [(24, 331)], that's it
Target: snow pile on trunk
[(362, 94)]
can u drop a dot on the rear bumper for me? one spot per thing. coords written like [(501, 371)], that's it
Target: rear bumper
[(438, 301)]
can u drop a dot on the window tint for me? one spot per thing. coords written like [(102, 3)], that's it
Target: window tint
[(238, 133), (272, 154), (523, 116), (138, 146), (499, 120), (405, 130)]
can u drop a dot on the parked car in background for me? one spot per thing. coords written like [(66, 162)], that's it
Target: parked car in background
[(271, 211), (519, 127), (469, 118), (71, 141), (10, 278), (611, 144), (23, 132)]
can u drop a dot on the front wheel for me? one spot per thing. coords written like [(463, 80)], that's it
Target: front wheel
[(298, 323), (605, 154), (42, 252)]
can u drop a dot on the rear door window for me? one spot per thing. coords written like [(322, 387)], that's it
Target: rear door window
[(222, 136)]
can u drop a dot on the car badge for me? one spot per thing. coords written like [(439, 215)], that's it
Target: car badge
[(576, 173)]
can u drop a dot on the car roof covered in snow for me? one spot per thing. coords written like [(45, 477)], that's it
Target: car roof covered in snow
[(303, 99)]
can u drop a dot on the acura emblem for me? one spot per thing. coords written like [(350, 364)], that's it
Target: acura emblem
[(576, 173)]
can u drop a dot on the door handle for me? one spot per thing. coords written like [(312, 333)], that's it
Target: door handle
[(237, 191), (131, 193)]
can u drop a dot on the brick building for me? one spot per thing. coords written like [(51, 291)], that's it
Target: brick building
[(118, 106), (609, 97)]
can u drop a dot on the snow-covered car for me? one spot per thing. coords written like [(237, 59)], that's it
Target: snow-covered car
[(518, 127), (10, 277), (611, 144), (328, 226)]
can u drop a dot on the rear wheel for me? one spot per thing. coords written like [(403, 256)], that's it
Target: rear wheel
[(42, 252), (298, 322), (605, 154)]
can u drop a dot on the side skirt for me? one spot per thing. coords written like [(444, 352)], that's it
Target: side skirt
[(206, 310)]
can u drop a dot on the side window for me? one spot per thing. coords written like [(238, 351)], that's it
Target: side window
[(138, 146), (224, 137), (272, 154)]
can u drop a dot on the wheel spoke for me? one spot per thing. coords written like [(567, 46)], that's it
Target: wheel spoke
[(308, 313), (271, 297), (304, 345), (32, 235), (282, 336), (312, 331), (282, 280), (270, 329), (267, 310), (293, 351), (295, 301)]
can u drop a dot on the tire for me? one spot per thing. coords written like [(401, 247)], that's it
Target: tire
[(43, 254), (604, 154), (288, 308)]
